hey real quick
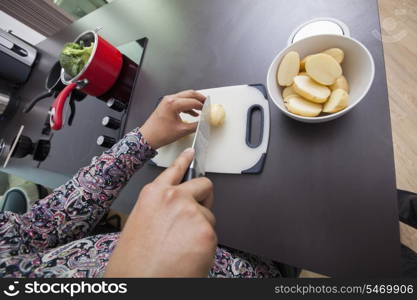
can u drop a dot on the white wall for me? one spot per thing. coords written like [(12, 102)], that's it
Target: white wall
[(21, 30)]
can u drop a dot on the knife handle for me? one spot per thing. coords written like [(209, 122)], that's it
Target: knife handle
[(190, 174)]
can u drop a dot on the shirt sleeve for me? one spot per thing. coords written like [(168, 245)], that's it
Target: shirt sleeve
[(74, 208)]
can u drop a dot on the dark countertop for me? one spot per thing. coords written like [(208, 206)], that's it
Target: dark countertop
[(326, 200)]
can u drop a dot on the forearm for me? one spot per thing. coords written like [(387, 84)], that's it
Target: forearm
[(74, 208)]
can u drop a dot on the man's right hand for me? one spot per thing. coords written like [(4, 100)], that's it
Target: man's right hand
[(170, 232)]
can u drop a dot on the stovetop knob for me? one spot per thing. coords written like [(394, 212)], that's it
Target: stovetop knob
[(25, 146), (116, 105), (111, 122), (105, 141)]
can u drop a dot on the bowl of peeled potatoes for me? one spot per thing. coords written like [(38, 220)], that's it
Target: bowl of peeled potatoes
[(320, 78)]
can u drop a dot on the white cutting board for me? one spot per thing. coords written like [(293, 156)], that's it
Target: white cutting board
[(228, 151)]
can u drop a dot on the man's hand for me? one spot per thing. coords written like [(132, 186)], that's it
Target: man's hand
[(170, 232), (165, 126)]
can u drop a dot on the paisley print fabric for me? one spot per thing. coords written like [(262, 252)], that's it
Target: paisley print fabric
[(231, 263), (52, 239)]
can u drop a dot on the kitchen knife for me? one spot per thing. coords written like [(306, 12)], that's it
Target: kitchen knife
[(200, 144)]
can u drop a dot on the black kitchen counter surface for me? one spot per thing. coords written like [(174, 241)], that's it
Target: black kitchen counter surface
[(326, 200)]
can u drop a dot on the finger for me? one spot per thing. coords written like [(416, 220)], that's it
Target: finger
[(191, 94), (208, 215), (186, 104), (192, 113), (201, 189), (187, 128), (174, 174)]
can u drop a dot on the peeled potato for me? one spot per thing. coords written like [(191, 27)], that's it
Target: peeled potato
[(217, 115), (323, 68), (303, 63), (311, 90), (289, 67), (338, 101), (341, 83), (299, 106), (289, 90), (336, 53)]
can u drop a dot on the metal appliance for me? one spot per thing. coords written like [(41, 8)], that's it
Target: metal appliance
[(17, 58)]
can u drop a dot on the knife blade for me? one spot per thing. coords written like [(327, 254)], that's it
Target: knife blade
[(200, 144)]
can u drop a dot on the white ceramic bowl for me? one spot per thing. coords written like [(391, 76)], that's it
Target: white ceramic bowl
[(358, 68)]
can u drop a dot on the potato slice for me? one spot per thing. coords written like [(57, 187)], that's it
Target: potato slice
[(299, 106), (336, 53), (289, 90), (288, 69), (217, 115), (323, 68), (303, 63), (338, 101), (311, 90), (341, 83)]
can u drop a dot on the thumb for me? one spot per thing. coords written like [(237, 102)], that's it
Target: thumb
[(174, 174)]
